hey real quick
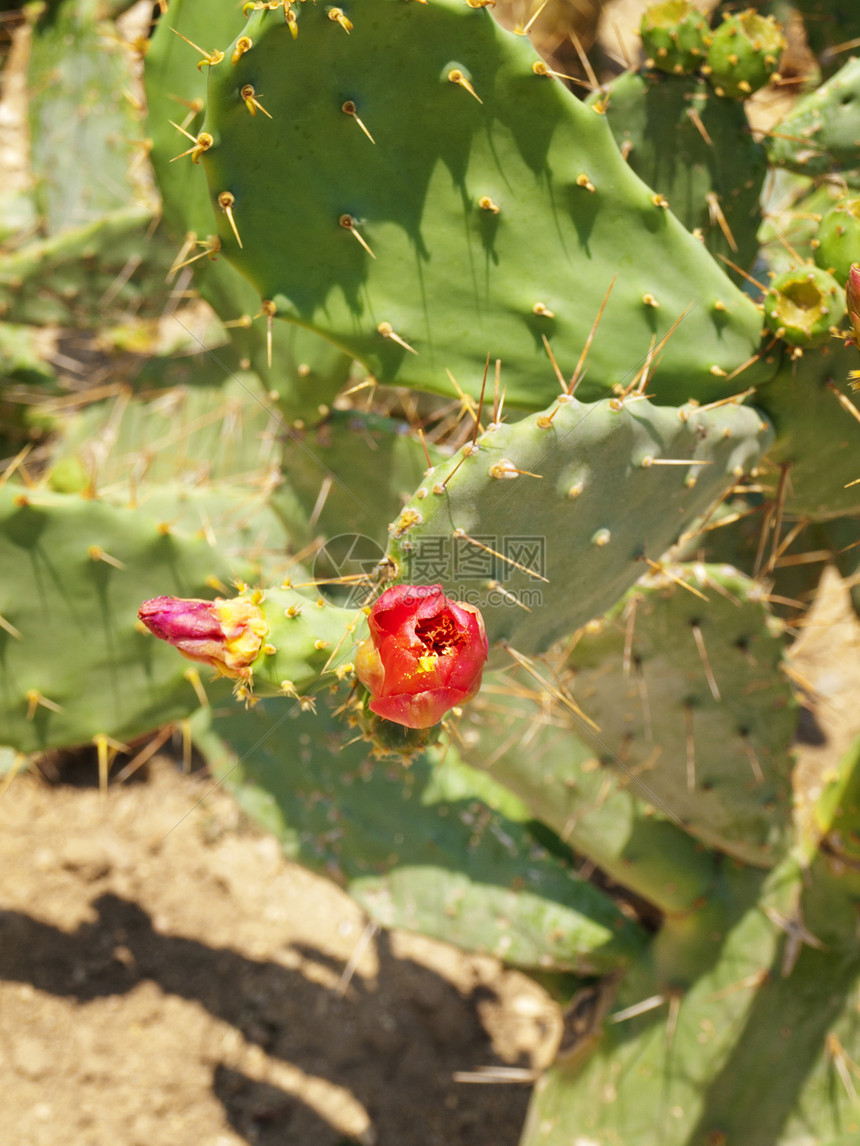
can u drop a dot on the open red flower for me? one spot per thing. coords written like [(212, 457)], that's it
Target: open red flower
[(426, 654), (226, 634)]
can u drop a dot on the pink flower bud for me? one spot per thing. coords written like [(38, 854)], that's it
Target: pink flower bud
[(224, 634), (426, 654)]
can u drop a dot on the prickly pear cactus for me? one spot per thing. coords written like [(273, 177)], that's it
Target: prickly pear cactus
[(479, 451)]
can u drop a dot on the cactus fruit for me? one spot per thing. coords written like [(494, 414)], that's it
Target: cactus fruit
[(804, 305), (674, 36), (839, 239), (743, 53)]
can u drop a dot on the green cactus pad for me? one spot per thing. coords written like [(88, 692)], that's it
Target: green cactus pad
[(81, 124), (353, 472), (817, 421), (839, 239), (702, 711), (21, 359), (78, 278), (821, 132), (468, 224), (744, 53), (306, 636), (546, 522), (743, 1032), (803, 306), (436, 848), (305, 372), (73, 663), (695, 149), (675, 36), (543, 751), (791, 567)]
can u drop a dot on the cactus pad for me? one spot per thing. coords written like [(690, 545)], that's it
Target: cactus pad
[(546, 522), (437, 848), (484, 211), (73, 663), (688, 693)]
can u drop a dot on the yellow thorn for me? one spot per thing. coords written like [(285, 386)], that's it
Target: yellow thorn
[(530, 23), (697, 122), (101, 743), (455, 76), (244, 321), (461, 535), (348, 108), (555, 366), (716, 213), (541, 69), (388, 331), (487, 204), (846, 403), (226, 199), (542, 310), (10, 628), (577, 374), (18, 761), (249, 97), (202, 143), (35, 698), (268, 308), (243, 45), (96, 553), (209, 58), (506, 469), (337, 15), (193, 678), (211, 246), (348, 224), (584, 181)]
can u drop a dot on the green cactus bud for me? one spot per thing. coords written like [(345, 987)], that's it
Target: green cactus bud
[(743, 54), (839, 239), (674, 36), (803, 305)]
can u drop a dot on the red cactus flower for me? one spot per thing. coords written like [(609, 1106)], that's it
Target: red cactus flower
[(224, 634), (426, 654)]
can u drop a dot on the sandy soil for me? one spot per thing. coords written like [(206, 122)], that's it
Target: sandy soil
[(167, 978)]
